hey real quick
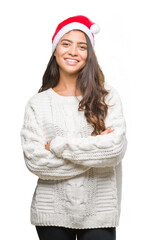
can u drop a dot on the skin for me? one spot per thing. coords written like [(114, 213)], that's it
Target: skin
[(72, 46)]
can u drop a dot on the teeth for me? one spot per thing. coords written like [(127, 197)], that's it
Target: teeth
[(71, 60)]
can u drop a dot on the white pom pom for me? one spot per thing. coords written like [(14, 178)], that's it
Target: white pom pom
[(95, 28)]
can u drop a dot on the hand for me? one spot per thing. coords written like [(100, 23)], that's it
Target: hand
[(107, 131), (47, 146)]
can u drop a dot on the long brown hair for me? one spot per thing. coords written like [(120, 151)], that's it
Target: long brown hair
[(90, 82)]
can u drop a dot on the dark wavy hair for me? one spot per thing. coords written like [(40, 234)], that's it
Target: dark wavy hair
[(90, 82)]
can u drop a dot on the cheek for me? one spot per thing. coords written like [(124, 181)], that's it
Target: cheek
[(84, 56), (61, 51), (59, 55)]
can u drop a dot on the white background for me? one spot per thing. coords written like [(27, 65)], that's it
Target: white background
[(26, 29)]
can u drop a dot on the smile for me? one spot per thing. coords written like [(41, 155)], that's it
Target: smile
[(71, 60)]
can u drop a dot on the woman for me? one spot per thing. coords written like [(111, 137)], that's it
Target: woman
[(74, 138)]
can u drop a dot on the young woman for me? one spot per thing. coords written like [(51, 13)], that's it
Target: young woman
[(74, 138)]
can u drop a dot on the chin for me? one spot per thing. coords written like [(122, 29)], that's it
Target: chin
[(72, 71)]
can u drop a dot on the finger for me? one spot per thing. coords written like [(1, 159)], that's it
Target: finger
[(104, 132), (107, 131), (111, 130)]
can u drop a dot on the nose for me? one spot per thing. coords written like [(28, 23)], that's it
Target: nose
[(73, 50)]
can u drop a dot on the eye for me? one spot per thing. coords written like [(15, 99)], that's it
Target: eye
[(82, 47), (65, 44)]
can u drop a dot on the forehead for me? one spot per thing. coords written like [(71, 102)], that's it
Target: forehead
[(75, 35)]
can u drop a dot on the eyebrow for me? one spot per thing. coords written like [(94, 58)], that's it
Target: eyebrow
[(71, 41)]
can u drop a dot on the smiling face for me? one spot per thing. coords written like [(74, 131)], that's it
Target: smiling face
[(71, 52)]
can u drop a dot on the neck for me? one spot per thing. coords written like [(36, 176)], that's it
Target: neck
[(67, 81), (67, 84)]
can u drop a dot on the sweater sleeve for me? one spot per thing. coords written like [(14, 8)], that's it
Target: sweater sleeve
[(38, 160), (101, 150)]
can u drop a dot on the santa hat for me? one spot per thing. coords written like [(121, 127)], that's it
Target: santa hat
[(77, 22)]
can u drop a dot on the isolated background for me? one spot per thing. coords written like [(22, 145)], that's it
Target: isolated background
[(26, 29)]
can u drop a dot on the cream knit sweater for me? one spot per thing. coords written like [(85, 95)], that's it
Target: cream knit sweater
[(79, 184)]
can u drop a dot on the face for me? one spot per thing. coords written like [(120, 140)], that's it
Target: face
[(71, 52)]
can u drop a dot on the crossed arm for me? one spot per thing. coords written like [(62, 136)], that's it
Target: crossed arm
[(69, 157), (106, 131)]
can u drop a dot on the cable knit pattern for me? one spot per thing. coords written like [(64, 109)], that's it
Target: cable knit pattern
[(79, 184)]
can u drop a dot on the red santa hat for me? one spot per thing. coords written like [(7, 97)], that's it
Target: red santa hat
[(77, 22)]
